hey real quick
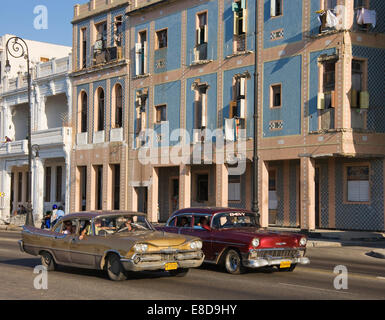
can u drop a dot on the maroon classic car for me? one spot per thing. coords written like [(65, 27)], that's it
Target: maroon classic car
[(233, 238)]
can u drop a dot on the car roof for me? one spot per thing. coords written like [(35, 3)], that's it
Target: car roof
[(94, 214), (210, 210)]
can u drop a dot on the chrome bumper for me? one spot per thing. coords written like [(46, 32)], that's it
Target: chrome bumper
[(139, 263), (260, 262), (21, 245)]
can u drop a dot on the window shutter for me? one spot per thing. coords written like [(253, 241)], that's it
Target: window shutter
[(206, 33), (353, 99), (244, 21), (233, 105), (144, 57), (197, 37), (273, 8), (204, 108), (242, 87), (242, 107), (236, 24), (243, 4), (321, 101), (333, 99), (138, 52), (364, 99)]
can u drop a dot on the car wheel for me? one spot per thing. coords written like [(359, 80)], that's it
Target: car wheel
[(233, 262), (48, 261), (115, 269), (290, 269), (179, 272)]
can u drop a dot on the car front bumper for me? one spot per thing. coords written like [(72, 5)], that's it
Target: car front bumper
[(142, 263), (21, 245), (260, 262)]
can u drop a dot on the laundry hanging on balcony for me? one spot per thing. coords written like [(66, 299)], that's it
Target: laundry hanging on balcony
[(230, 128), (327, 19), (366, 16)]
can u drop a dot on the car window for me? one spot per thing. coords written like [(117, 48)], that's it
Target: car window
[(59, 227), (235, 220), (84, 227), (184, 221), (121, 223), (172, 222), (199, 219), (69, 227)]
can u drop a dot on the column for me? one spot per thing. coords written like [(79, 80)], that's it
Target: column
[(222, 185), (67, 188), (307, 193), (153, 205), (5, 201), (38, 189), (184, 186), (264, 193)]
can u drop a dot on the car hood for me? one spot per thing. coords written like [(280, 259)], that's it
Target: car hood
[(155, 238), (268, 239)]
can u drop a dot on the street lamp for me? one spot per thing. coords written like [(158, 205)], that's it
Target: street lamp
[(17, 48), (255, 205)]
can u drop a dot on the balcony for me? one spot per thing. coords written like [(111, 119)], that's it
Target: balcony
[(99, 137), (54, 66), (116, 135), (107, 55), (14, 148), (52, 137), (82, 138)]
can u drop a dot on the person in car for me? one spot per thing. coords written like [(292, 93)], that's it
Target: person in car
[(68, 228), (204, 223)]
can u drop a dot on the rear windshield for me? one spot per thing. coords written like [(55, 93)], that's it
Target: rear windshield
[(235, 220)]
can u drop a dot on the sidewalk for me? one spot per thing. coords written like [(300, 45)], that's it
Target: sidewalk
[(335, 238)]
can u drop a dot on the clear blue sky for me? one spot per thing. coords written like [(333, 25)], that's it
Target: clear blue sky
[(17, 17)]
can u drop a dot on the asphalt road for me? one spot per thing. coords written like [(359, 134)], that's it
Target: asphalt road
[(366, 279)]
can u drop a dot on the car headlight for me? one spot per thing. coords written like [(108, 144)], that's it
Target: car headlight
[(255, 242), (303, 242), (196, 244), (140, 247)]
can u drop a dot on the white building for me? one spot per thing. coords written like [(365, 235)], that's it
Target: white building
[(51, 102)]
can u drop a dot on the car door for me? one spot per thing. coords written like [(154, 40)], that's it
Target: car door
[(204, 234), (60, 244), (82, 251)]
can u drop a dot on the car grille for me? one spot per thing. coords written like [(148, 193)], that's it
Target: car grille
[(274, 253), (171, 257)]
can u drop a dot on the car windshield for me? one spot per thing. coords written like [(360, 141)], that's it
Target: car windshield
[(121, 223), (235, 220)]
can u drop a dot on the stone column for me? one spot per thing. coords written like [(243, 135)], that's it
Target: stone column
[(5, 188), (153, 201), (67, 183), (264, 193), (38, 189), (222, 185), (184, 186), (307, 191)]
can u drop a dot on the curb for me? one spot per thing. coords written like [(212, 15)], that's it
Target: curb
[(323, 243), (10, 228)]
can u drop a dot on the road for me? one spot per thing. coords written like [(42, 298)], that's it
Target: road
[(366, 279)]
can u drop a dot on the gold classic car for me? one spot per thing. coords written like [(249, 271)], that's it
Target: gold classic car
[(117, 242)]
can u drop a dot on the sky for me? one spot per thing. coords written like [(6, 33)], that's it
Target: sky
[(17, 17)]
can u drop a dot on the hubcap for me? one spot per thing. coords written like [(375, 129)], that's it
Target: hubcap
[(233, 262)]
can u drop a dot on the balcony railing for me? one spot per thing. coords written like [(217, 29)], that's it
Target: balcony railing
[(56, 136), (107, 55), (14, 148)]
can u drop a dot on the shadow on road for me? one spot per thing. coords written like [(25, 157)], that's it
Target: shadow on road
[(216, 268)]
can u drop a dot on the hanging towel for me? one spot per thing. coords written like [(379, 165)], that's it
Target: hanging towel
[(331, 20), (365, 16), (230, 129)]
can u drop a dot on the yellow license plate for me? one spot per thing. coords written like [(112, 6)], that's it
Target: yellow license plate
[(285, 264), (171, 266)]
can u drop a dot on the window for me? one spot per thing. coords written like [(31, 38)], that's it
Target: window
[(359, 94), (276, 8), (83, 54), (116, 186), (99, 187), (118, 106), (273, 199), (276, 96), (141, 53), (47, 196), (101, 35), (329, 83), (198, 220), (118, 31), (100, 110), (161, 113), (358, 183), (330, 4), (59, 176), (161, 39), (83, 187), (200, 106), (84, 112), (43, 59), (201, 31), (234, 193), (203, 187)]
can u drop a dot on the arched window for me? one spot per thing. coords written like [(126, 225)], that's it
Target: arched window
[(118, 106), (100, 111), (84, 112)]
